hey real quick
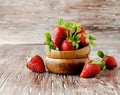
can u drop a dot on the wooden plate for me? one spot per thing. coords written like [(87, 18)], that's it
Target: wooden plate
[(80, 53), (65, 66)]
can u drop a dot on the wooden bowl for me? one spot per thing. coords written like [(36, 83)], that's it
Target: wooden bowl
[(65, 66), (80, 53)]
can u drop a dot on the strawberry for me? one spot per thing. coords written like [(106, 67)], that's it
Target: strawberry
[(86, 39), (82, 29), (59, 34), (73, 32), (83, 39), (91, 68), (110, 61), (36, 64), (67, 45), (73, 37)]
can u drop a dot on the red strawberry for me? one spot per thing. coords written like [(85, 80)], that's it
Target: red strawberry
[(72, 31), (67, 46), (59, 34), (90, 69), (82, 29), (83, 38), (36, 64), (86, 39), (110, 61)]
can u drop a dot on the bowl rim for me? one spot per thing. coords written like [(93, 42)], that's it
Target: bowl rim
[(79, 53), (70, 50)]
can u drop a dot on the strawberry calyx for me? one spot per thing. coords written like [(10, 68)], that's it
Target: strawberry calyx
[(49, 42), (90, 39), (100, 62)]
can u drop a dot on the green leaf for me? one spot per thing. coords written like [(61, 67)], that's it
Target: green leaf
[(73, 43), (49, 42), (87, 38), (48, 37), (78, 29), (68, 25), (92, 43), (77, 37), (96, 61), (100, 54), (61, 22), (73, 24), (100, 62), (76, 24), (72, 30), (77, 45), (102, 65), (92, 37)]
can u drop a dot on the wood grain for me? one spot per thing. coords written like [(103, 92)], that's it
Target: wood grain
[(26, 21), (16, 79), (23, 24)]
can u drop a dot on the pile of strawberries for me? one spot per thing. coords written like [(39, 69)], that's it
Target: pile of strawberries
[(71, 36), (93, 67)]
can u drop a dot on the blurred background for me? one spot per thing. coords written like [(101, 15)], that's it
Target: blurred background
[(26, 21)]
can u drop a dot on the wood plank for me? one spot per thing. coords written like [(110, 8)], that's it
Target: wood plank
[(15, 78), (26, 21), (23, 24)]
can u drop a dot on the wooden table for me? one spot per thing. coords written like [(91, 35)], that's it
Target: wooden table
[(16, 79), (23, 24)]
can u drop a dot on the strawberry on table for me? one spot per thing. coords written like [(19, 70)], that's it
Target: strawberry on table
[(36, 64), (110, 61), (92, 68)]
